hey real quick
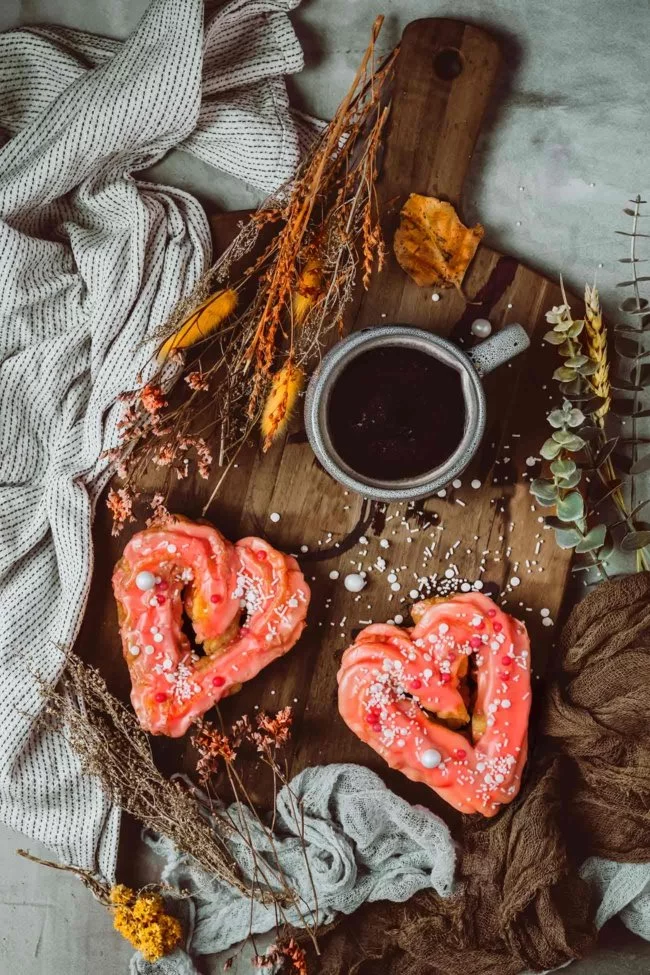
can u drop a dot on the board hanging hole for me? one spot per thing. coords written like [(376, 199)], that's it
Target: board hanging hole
[(448, 64)]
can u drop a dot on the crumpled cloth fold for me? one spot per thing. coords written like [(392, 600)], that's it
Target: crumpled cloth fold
[(572, 851), (93, 260), (341, 839)]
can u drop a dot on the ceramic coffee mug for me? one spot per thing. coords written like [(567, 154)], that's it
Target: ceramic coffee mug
[(471, 366)]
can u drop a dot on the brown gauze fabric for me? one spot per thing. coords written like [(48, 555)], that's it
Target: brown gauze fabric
[(520, 902)]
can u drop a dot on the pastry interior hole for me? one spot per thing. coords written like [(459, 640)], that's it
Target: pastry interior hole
[(448, 64)]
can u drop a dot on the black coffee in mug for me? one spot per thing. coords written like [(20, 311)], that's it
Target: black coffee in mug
[(396, 412)]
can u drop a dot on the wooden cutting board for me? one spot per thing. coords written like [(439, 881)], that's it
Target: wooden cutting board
[(445, 76)]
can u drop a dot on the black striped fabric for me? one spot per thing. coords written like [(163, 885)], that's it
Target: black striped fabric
[(91, 262)]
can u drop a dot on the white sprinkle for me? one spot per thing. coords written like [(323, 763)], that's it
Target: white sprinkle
[(145, 581), (354, 582), (171, 549), (274, 516), (384, 543), (505, 704)]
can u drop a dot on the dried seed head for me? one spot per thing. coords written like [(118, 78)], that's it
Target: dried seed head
[(202, 322), (286, 386)]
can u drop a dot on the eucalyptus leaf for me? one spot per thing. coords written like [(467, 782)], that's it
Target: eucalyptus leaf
[(611, 489), (562, 436), (571, 507), (639, 507), (624, 385), (630, 284), (575, 329), (567, 537), (641, 466), (550, 449), (563, 326), (544, 491), (593, 540), (564, 468), (575, 361), (626, 347), (575, 417), (604, 452), (575, 443), (556, 418), (635, 540), (564, 375), (554, 338), (572, 480), (630, 304), (552, 522), (589, 368)]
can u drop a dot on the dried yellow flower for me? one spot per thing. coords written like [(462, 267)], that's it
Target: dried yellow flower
[(285, 389), (142, 920), (308, 290), (202, 322)]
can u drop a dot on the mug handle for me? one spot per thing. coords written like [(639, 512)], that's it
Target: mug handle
[(499, 348)]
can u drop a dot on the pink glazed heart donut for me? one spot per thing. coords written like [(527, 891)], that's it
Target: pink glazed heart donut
[(407, 694), (247, 604)]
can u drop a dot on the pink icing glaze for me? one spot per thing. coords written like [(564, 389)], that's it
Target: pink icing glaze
[(389, 675), (219, 582)]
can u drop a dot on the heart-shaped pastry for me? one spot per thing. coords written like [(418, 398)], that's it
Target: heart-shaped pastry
[(407, 693), (247, 604)]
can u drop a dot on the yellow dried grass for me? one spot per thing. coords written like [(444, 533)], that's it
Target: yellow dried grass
[(202, 322), (286, 386)]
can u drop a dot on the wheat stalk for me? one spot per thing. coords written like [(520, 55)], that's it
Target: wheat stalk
[(596, 336)]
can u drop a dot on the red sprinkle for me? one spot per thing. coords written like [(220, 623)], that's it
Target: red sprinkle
[(160, 599), (492, 613), (497, 627), (507, 661), (460, 754), (445, 678), (260, 555), (376, 726), (244, 631), (475, 642), (416, 683), (218, 681), (160, 697), (505, 675), (163, 586), (215, 598)]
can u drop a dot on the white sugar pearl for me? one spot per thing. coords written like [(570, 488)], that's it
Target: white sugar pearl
[(171, 549), (449, 573), (134, 651), (145, 581), (414, 593), (304, 548), (544, 612), (158, 638), (481, 328), (442, 494), (515, 581), (148, 649), (354, 582), (505, 704), (547, 621), (274, 516), (334, 574), (457, 483), (384, 543), (363, 540), (435, 297), (391, 577), (476, 484), (395, 586), (431, 758), (399, 618), (478, 584)]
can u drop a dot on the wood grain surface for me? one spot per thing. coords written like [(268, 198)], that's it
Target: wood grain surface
[(495, 530)]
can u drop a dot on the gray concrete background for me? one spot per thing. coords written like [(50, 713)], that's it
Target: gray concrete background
[(567, 144)]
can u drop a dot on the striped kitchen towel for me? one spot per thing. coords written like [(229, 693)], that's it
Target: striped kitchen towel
[(92, 261)]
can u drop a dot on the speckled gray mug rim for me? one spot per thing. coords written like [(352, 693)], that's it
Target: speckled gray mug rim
[(317, 401)]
